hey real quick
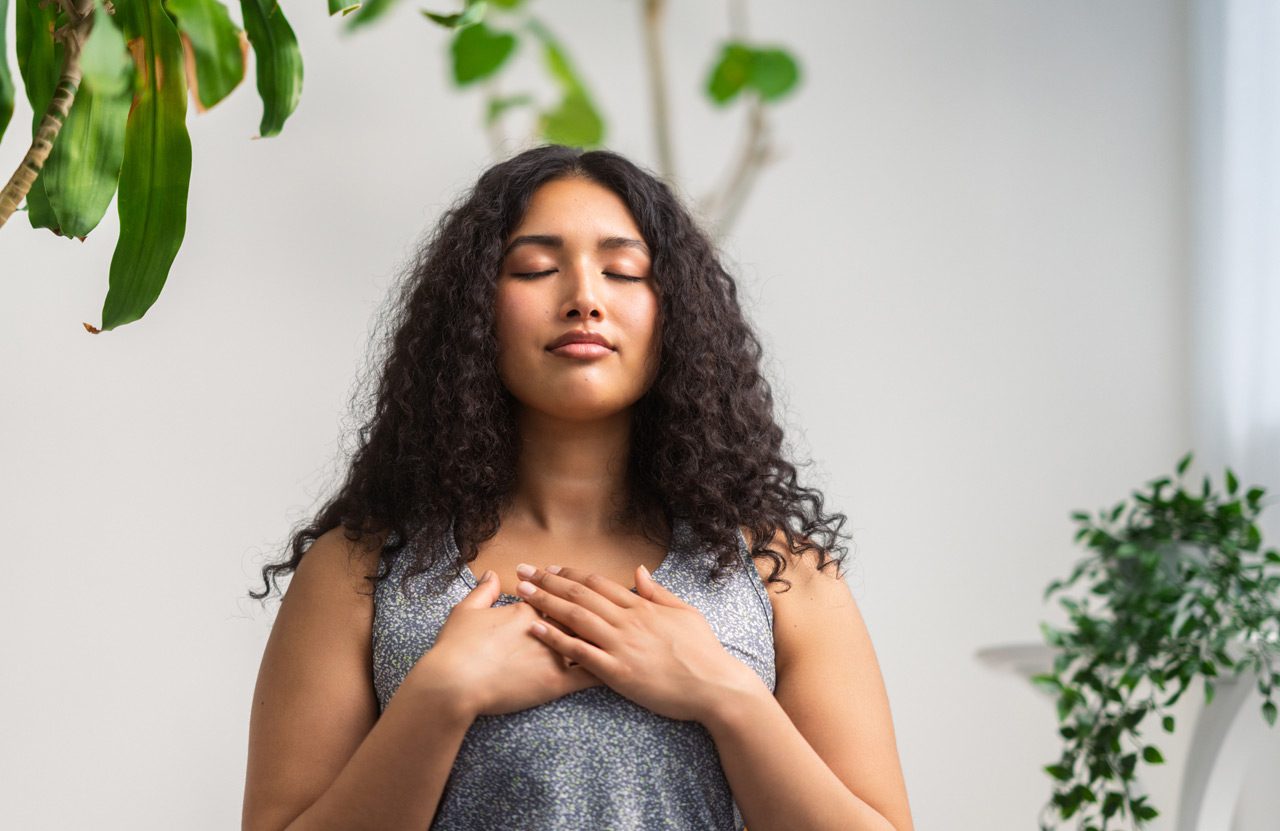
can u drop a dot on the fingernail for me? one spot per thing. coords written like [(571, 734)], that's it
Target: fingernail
[(525, 570), (645, 570), (486, 576), (553, 569)]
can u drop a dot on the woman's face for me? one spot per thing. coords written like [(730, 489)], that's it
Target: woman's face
[(582, 252)]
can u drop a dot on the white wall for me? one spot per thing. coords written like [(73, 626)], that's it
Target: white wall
[(970, 269)]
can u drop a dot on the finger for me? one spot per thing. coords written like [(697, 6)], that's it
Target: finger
[(567, 610), (485, 593), (604, 596), (651, 589), (588, 657)]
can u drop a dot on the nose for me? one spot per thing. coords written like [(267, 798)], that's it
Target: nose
[(582, 291)]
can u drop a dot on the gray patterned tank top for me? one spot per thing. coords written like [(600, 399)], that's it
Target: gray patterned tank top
[(591, 759)]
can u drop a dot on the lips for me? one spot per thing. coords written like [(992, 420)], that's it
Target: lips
[(580, 336)]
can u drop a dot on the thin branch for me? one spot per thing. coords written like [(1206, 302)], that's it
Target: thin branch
[(653, 14), (722, 206), (73, 36)]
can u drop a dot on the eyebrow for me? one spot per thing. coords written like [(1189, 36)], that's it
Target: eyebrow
[(556, 241)]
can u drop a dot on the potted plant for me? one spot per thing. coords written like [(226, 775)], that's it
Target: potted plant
[(1182, 591)]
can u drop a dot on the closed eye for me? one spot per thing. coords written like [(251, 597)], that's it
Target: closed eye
[(529, 275)]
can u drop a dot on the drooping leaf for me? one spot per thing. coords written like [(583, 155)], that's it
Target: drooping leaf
[(278, 64), (216, 42), (83, 167), (6, 80), (40, 62), (156, 173), (478, 52), (343, 7)]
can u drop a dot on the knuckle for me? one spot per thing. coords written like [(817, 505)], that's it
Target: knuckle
[(593, 580)]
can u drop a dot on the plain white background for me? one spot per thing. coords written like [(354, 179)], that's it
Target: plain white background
[(969, 268)]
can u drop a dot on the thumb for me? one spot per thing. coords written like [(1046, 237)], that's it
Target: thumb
[(486, 591), (650, 589)]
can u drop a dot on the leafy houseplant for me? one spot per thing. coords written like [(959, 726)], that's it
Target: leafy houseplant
[(1184, 592)]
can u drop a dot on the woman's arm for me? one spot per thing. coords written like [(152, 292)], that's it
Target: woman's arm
[(819, 752), (319, 754)]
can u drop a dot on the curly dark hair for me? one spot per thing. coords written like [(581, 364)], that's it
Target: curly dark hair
[(442, 441)]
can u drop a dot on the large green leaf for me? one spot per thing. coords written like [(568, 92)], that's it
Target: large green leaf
[(6, 80), (478, 52), (215, 42), (83, 166), (156, 173), (40, 62), (279, 62)]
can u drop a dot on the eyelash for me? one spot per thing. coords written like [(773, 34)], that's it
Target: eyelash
[(528, 275)]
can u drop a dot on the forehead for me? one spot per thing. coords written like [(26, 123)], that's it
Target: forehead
[(578, 211)]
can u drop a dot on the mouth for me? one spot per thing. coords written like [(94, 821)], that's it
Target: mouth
[(581, 349)]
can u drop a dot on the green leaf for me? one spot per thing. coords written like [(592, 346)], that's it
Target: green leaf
[(39, 61), (1167, 723), (279, 62), (368, 12), (574, 122), (1269, 713), (773, 73), (343, 7), (1208, 692), (1151, 755), (83, 167), (1060, 772), (156, 172), (471, 15), (1182, 465), (498, 106), (6, 80), (730, 73), (215, 42), (478, 52), (1231, 482)]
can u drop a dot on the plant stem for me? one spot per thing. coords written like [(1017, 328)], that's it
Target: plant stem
[(653, 14)]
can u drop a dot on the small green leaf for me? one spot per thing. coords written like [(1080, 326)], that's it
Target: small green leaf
[(574, 122), (773, 73), (1151, 755), (471, 15), (1167, 723), (497, 106), (368, 12), (1231, 482), (1269, 713), (478, 52), (730, 73), (343, 7), (1182, 465)]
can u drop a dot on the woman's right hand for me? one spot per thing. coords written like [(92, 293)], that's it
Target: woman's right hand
[(487, 656)]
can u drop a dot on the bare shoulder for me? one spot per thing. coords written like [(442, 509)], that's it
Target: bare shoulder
[(314, 701), (812, 589)]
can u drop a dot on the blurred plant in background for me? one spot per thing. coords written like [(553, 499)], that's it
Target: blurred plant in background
[(108, 81)]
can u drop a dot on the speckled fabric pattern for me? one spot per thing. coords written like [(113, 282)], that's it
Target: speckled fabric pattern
[(592, 759)]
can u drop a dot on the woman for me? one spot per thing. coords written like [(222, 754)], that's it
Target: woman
[(571, 408)]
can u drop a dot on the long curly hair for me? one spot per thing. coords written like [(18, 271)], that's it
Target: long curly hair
[(441, 444)]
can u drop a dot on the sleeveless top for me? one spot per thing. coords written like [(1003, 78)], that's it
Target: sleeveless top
[(592, 758)]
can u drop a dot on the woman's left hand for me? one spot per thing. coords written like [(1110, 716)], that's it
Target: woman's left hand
[(648, 645)]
